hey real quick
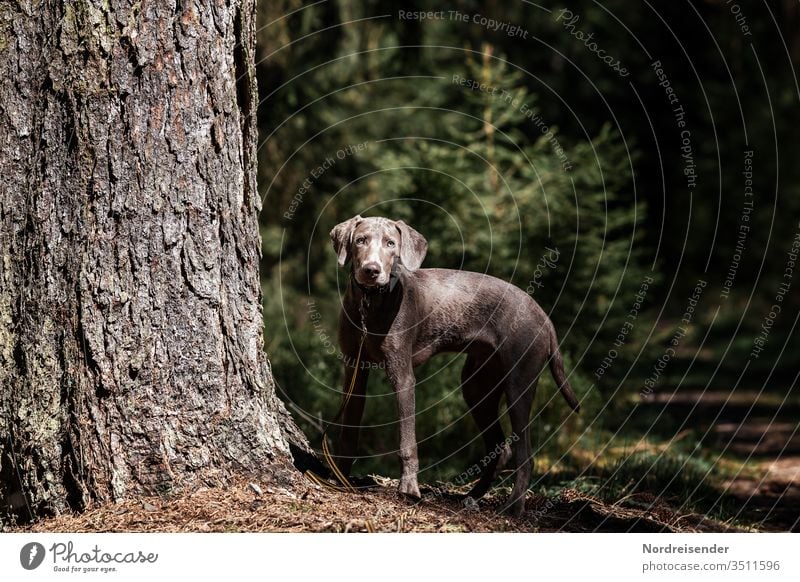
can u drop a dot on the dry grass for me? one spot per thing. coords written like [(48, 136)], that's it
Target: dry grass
[(301, 506)]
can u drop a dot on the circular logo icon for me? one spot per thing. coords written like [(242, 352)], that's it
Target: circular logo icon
[(31, 555)]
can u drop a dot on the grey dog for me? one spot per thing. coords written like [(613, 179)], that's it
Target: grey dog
[(410, 314)]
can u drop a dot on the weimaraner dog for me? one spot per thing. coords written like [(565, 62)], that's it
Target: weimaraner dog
[(410, 314)]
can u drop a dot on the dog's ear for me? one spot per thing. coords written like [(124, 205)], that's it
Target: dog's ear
[(413, 246), (340, 237)]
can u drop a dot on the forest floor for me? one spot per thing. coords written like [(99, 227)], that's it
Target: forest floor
[(246, 506), (748, 476)]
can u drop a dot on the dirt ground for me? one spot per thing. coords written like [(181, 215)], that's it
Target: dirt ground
[(301, 506)]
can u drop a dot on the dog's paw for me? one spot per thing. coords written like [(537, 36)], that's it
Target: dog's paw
[(409, 488)]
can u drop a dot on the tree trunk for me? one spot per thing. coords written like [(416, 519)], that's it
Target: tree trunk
[(130, 305)]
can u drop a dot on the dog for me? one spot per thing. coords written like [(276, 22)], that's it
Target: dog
[(406, 314)]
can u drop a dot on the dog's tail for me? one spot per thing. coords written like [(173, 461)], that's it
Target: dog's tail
[(557, 369)]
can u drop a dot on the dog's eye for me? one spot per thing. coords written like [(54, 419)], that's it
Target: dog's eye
[(361, 240), (391, 244)]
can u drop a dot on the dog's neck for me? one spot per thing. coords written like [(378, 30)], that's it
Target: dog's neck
[(374, 308)]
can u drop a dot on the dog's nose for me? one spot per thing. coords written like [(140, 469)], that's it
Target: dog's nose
[(371, 270)]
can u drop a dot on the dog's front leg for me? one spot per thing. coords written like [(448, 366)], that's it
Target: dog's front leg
[(351, 415), (401, 376)]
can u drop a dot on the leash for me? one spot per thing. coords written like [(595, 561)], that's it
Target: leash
[(326, 453)]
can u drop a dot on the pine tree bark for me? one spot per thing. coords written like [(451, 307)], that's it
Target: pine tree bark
[(130, 304)]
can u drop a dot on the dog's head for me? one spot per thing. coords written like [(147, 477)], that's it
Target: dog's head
[(373, 244)]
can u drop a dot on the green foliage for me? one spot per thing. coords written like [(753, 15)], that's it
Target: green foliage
[(646, 472)]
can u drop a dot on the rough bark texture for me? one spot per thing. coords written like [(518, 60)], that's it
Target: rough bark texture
[(130, 322)]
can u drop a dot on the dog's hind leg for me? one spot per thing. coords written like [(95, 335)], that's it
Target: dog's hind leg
[(520, 399), (479, 383)]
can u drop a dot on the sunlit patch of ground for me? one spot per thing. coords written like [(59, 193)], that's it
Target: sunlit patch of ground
[(305, 507)]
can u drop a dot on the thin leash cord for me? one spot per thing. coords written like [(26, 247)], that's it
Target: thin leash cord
[(326, 453)]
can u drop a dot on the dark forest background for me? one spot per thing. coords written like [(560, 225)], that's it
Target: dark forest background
[(571, 177)]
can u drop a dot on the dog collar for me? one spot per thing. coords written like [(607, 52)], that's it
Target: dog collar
[(388, 288)]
